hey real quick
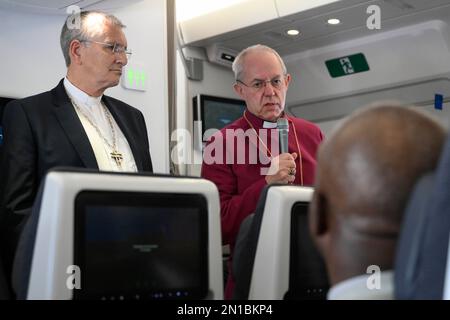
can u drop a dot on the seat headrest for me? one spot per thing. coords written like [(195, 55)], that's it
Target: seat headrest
[(423, 243)]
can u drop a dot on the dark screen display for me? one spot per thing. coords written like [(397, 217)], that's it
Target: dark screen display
[(307, 274), (217, 112), (141, 246)]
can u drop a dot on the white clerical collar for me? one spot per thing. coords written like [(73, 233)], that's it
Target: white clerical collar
[(269, 125), (79, 95)]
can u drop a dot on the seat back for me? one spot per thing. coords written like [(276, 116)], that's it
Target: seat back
[(282, 261), (421, 259), (122, 236)]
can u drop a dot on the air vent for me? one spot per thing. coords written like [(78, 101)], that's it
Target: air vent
[(221, 55)]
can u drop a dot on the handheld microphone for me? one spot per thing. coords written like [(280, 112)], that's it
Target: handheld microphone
[(283, 132)]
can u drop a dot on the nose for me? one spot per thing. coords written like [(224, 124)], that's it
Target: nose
[(121, 58), (268, 89)]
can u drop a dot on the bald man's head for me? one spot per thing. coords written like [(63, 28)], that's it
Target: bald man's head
[(366, 171)]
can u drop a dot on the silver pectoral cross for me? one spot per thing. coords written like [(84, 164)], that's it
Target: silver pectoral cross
[(117, 157)]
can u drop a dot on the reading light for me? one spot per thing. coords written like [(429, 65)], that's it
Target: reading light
[(293, 32), (334, 21)]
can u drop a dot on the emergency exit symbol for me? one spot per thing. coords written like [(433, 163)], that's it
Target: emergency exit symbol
[(347, 65), (136, 78)]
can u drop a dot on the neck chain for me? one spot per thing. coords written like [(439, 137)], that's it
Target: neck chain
[(270, 153), (115, 154)]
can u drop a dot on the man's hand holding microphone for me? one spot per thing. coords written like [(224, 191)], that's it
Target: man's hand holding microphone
[(282, 168)]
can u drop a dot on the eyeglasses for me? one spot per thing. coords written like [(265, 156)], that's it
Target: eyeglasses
[(276, 83), (115, 47)]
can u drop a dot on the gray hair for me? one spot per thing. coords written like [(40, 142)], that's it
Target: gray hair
[(82, 33), (239, 62)]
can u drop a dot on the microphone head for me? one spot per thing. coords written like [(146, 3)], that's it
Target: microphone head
[(282, 124)]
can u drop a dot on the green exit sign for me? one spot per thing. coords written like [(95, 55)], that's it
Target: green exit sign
[(348, 65), (134, 77)]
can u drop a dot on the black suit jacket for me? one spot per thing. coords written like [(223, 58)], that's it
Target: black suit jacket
[(42, 132)]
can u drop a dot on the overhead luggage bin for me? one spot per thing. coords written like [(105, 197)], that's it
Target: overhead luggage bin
[(60, 6), (244, 15)]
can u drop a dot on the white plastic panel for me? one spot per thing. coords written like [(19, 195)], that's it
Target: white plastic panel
[(421, 93), (287, 7), (418, 56), (231, 18), (59, 6)]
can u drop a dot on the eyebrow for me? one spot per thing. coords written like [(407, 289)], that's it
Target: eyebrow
[(114, 42), (260, 80)]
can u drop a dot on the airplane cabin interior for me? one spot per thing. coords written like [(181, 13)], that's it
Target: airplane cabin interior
[(158, 236)]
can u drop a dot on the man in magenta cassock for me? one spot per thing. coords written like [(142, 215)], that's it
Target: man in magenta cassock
[(244, 156)]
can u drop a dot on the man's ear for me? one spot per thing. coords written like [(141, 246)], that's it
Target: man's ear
[(74, 52), (287, 80), (238, 89)]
